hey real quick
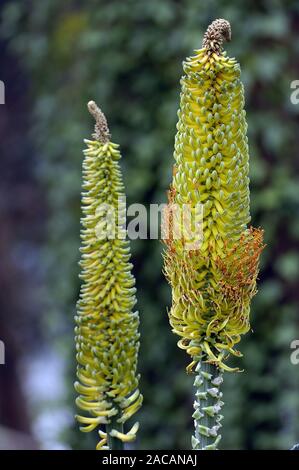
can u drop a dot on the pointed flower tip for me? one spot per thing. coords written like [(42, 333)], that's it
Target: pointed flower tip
[(101, 130), (91, 106), (218, 32)]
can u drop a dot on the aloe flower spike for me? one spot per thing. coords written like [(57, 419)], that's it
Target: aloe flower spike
[(213, 277), (106, 333)]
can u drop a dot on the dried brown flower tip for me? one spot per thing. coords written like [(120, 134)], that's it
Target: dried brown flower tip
[(101, 129), (218, 32)]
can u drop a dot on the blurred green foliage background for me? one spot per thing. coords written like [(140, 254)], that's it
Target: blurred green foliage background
[(127, 55)]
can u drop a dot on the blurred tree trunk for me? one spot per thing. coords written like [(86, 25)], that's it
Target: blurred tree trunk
[(20, 219)]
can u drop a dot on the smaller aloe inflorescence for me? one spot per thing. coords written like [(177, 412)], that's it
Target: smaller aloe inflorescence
[(107, 338), (212, 285)]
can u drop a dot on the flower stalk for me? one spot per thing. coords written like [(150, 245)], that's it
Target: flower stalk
[(213, 272), (207, 406), (107, 338)]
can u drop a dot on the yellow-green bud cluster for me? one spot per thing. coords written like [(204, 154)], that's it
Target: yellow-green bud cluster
[(212, 285), (107, 337)]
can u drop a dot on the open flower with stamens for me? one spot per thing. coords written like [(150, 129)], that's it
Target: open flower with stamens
[(107, 338), (213, 284)]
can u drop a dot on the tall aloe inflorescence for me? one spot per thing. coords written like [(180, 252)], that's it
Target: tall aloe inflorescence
[(107, 337), (212, 284)]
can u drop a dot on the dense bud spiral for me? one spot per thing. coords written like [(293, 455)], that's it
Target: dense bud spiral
[(107, 338), (212, 285)]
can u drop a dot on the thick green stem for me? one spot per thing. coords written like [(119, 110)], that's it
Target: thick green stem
[(113, 442), (207, 407)]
